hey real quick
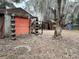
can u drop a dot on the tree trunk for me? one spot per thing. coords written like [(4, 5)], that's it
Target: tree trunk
[(57, 32), (58, 28)]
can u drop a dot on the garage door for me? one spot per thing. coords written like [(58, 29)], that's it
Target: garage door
[(21, 25)]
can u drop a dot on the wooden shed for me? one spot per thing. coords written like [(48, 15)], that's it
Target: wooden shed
[(22, 21)]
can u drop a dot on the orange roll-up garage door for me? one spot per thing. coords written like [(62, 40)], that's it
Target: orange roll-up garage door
[(21, 25)]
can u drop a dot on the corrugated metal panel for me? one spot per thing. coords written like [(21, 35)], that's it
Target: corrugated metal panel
[(21, 25)]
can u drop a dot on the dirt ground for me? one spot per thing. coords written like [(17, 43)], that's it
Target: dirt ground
[(41, 47)]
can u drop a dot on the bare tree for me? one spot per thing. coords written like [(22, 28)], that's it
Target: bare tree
[(59, 18)]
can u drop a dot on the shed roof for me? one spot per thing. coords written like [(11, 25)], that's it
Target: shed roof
[(17, 11)]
